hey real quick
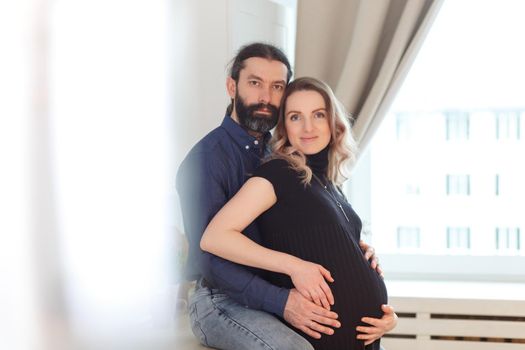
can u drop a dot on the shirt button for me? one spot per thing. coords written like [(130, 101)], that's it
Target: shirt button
[(256, 142), (247, 147)]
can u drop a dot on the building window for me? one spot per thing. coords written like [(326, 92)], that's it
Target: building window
[(497, 185), (508, 125), (458, 237), (458, 185), (412, 189), (508, 239), (408, 237), (403, 127), (457, 125)]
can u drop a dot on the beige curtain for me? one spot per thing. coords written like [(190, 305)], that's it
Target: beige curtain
[(363, 49)]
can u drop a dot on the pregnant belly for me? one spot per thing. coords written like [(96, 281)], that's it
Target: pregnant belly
[(358, 292)]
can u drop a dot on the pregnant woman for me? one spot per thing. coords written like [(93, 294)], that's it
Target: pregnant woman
[(310, 232)]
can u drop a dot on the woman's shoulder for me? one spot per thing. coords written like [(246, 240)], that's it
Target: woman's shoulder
[(281, 175), (275, 165), (279, 171)]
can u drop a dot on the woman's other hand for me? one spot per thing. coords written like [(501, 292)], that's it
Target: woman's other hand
[(370, 255), (310, 280), (378, 326)]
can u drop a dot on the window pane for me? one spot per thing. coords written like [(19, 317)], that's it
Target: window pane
[(458, 238), (508, 125), (508, 239), (444, 169), (408, 237), (457, 124)]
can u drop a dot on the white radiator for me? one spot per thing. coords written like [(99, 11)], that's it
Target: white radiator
[(457, 324)]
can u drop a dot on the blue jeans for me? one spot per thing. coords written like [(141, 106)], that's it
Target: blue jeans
[(220, 322)]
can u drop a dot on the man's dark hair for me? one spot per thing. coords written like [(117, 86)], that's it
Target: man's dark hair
[(261, 50)]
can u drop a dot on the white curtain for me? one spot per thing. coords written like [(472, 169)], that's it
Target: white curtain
[(85, 141), (363, 50)]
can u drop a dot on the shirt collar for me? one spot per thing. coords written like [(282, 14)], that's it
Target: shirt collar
[(242, 137)]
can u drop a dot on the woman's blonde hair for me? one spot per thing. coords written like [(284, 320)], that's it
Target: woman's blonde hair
[(342, 147)]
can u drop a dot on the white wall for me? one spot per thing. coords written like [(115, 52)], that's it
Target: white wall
[(200, 57), (207, 35)]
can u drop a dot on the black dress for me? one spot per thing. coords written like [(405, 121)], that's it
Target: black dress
[(307, 223)]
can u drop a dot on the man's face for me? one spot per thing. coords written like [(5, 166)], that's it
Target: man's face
[(257, 94)]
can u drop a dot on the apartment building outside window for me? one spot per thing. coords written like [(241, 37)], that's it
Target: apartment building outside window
[(443, 170)]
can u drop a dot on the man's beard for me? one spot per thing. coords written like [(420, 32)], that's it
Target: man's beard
[(250, 119)]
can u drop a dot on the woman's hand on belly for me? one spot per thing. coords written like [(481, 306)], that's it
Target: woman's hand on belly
[(378, 326), (370, 255), (310, 280)]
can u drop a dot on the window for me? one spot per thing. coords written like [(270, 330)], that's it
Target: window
[(457, 125), (508, 239), (403, 127), (458, 185), (408, 237), (508, 125), (412, 188), (441, 183), (458, 238)]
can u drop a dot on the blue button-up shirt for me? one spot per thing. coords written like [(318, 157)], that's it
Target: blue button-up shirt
[(210, 175)]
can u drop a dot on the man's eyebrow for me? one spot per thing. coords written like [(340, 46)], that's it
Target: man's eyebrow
[(253, 76), (256, 77)]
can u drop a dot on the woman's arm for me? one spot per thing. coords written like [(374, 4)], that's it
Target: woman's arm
[(223, 237)]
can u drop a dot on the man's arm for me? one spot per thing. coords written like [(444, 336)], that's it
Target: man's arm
[(202, 193)]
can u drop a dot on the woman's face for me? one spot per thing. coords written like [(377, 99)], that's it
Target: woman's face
[(306, 121)]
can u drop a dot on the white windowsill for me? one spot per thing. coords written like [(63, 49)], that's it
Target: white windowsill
[(460, 268), (469, 290)]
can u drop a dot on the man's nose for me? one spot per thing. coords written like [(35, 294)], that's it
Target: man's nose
[(264, 96)]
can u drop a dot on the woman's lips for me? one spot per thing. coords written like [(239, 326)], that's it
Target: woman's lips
[(308, 139)]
